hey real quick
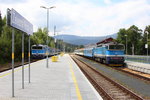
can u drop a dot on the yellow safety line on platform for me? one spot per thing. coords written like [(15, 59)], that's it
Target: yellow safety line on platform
[(75, 83), (11, 72)]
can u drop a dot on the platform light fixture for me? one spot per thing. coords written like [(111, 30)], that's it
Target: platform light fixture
[(147, 45), (147, 42), (126, 44), (47, 8)]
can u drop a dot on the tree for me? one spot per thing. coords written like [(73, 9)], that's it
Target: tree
[(5, 42), (1, 24), (134, 37), (122, 37)]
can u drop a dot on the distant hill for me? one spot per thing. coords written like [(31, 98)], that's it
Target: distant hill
[(82, 40)]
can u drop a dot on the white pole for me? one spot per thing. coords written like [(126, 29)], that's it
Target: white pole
[(47, 35), (22, 60), (13, 62), (29, 59)]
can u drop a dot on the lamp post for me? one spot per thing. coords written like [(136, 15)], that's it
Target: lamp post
[(57, 41), (147, 43), (126, 44), (57, 44), (47, 8)]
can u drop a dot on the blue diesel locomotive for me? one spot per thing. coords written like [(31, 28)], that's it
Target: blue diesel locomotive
[(39, 51), (108, 52)]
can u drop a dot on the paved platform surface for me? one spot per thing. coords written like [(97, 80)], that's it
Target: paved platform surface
[(142, 67), (63, 80)]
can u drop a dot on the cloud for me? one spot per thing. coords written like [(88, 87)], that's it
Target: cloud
[(31, 11), (85, 18), (12, 1), (89, 19), (107, 1)]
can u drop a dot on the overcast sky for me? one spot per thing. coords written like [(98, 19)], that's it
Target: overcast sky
[(83, 17)]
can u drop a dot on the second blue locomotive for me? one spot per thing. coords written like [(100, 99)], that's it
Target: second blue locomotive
[(39, 51)]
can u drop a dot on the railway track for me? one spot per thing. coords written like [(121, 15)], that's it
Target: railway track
[(137, 74), (107, 88), (8, 67)]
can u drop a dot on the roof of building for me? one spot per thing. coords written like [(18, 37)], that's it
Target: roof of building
[(105, 41)]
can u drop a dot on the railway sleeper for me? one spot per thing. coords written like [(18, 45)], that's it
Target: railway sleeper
[(116, 91), (127, 97), (124, 98), (102, 81), (111, 87), (120, 95)]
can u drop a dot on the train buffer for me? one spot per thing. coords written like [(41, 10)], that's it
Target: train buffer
[(60, 81)]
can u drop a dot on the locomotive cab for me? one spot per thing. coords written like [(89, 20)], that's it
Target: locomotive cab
[(115, 54), (38, 51)]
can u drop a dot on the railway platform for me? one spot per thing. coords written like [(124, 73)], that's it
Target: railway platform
[(62, 80), (142, 67)]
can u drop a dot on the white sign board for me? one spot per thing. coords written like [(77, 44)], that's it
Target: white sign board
[(55, 40), (146, 46), (19, 22)]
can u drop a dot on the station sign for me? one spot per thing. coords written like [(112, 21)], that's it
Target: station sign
[(19, 22)]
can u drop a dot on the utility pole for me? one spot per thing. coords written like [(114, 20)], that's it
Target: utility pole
[(54, 40)]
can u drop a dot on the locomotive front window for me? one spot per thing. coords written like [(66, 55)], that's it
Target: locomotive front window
[(106, 47), (37, 48), (116, 47)]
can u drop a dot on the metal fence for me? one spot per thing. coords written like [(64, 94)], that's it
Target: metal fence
[(138, 58)]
